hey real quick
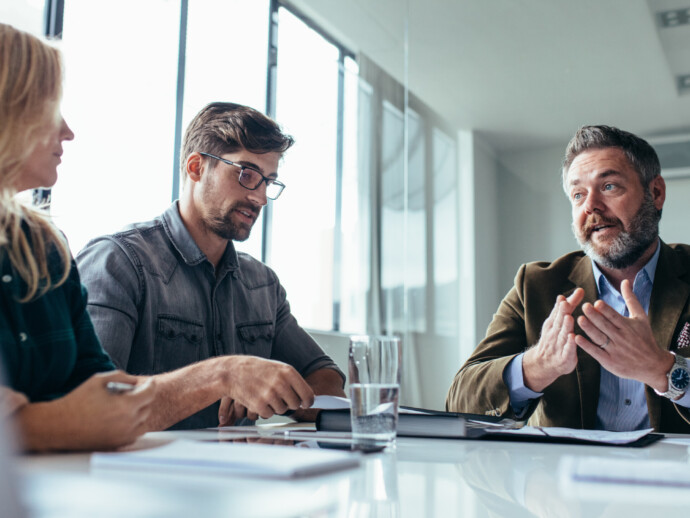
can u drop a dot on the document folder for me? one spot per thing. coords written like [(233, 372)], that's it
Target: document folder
[(417, 422)]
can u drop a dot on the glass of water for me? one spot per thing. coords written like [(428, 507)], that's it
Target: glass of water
[(375, 363)]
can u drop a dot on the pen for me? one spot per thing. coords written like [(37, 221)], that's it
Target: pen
[(117, 387)]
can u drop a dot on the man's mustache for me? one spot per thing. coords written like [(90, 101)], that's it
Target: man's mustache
[(597, 220)]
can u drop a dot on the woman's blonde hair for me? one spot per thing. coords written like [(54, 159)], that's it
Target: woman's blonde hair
[(30, 92)]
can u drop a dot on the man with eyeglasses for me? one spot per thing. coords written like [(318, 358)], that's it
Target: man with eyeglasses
[(173, 291)]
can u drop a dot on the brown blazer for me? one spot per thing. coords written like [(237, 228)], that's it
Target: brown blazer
[(572, 399)]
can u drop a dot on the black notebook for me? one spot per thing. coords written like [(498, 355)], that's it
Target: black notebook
[(418, 422)]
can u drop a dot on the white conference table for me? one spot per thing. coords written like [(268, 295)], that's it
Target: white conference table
[(420, 478)]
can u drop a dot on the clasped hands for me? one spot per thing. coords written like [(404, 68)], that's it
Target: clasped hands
[(625, 346)]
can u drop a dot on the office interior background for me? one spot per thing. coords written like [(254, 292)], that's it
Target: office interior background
[(429, 140)]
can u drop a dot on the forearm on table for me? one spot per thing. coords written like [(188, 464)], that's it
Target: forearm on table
[(42, 428), (185, 391)]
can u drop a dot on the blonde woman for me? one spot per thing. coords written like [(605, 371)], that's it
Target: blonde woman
[(50, 352)]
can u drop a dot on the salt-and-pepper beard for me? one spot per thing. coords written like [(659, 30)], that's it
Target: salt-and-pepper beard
[(631, 243)]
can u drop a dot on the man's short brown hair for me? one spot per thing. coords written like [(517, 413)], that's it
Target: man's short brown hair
[(221, 128), (639, 153)]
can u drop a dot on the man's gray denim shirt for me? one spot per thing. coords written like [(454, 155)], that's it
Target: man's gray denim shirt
[(157, 304)]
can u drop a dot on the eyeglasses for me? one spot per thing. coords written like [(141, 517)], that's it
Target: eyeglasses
[(252, 179)]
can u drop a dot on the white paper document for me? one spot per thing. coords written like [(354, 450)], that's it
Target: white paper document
[(330, 402), (625, 471), (259, 460), (601, 436), (337, 403)]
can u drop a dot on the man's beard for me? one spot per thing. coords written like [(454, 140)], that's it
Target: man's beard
[(629, 245), (222, 224)]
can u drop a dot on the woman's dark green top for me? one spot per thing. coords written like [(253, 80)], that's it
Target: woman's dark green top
[(48, 344)]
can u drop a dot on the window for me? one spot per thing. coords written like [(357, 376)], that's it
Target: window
[(226, 61), (119, 99), (26, 15), (364, 238), (445, 245), (304, 216)]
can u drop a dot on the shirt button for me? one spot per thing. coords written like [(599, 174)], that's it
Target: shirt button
[(23, 337), (6, 278), (628, 402)]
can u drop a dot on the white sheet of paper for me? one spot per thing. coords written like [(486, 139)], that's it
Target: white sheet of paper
[(601, 436), (335, 403), (330, 402), (258, 460)]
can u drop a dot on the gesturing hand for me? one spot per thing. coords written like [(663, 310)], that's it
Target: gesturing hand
[(556, 352), (624, 346)]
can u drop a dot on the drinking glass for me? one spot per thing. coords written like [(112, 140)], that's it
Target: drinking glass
[(375, 364)]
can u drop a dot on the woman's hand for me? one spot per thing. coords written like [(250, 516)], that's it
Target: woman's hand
[(89, 417)]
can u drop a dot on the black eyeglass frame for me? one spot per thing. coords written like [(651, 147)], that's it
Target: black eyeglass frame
[(269, 181)]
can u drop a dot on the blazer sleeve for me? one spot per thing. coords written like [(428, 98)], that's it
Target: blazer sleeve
[(478, 387)]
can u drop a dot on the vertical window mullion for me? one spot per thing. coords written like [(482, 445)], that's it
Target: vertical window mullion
[(271, 86), (337, 230), (54, 14), (179, 102)]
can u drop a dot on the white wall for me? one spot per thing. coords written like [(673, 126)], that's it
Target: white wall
[(488, 246), (534, 211)]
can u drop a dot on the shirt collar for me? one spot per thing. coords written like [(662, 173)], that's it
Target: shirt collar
[(648, 269), (184, 243)]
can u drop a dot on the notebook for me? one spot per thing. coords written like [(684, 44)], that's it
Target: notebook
[(256, 460)]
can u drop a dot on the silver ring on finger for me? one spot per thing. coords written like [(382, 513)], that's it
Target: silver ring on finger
[(603, 346)]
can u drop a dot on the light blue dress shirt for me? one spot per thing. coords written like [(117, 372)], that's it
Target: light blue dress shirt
[(622, 402)]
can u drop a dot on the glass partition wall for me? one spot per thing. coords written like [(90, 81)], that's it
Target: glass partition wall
[(429, 137)]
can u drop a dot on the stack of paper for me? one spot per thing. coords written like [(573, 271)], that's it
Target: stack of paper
[(258, 460)]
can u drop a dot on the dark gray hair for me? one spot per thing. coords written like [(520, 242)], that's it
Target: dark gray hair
[(639, 153)]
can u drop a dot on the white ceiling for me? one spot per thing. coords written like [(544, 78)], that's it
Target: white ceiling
[(524, 73)]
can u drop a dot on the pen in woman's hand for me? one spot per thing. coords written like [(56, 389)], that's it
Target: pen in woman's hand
[(117, 387)]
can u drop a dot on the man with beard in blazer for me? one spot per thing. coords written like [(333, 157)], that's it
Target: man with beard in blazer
[(596, 339)]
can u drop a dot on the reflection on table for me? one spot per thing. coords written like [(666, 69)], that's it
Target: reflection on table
[(420, 477)]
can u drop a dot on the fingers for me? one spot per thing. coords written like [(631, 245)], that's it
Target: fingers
[(600, 322), (305, 393), (239, 411), (596, 352), (224, 410), (564, 307), (575, 299), (550, 322), (266, 387), (595, 334), (634, 307)]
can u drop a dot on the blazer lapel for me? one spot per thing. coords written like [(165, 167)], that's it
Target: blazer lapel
[(669, 295), (587, 370)]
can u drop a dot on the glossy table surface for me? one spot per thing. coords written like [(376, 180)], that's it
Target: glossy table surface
[(419, 478)]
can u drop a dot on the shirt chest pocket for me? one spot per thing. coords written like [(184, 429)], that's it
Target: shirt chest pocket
[(256, 338), (178, 343)]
